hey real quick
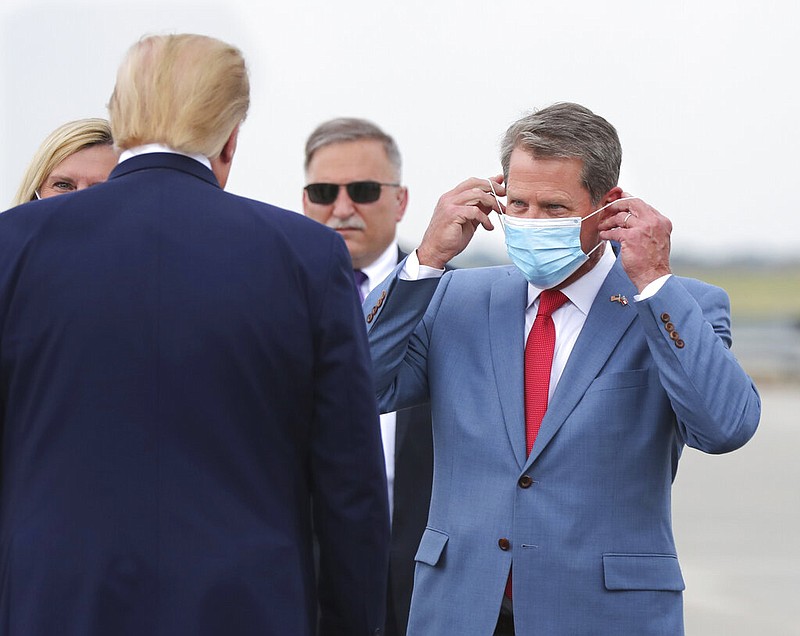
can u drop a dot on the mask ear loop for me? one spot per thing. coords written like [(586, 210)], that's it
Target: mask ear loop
[(588, 216), (499, 206), (591, 251)]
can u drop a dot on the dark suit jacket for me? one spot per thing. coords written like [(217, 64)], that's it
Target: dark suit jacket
[(413, 465), (180, 370)]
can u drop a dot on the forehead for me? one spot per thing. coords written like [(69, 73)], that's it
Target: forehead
[(528, 173), (97, 159), (351, 160)]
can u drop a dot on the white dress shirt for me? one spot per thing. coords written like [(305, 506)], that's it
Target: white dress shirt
[(570, 317), (150, 148)]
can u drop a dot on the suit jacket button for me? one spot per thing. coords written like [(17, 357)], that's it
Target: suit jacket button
[(674, 335), (525, 481), (505, 544), (370, 317), (680, 343), (665, 317), (669, 326)]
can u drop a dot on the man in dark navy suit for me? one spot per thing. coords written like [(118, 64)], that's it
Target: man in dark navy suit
[(353, 172), (184, 389)]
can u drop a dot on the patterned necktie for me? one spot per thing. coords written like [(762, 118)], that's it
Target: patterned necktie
[(360, 278), (538, 362)]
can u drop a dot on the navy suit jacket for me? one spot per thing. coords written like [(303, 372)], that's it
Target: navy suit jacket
[(184, 383)]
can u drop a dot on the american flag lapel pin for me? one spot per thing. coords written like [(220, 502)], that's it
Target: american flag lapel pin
[(619, 298)]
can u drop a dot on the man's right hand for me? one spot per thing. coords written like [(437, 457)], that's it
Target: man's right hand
[(455, 219)]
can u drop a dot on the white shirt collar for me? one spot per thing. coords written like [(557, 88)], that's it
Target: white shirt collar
[(150, 148), (584, 290), (382, 266)]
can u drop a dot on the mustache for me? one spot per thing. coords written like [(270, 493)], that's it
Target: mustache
[(351, 223)]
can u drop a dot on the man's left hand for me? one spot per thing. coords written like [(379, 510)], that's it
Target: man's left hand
[(643, 234)]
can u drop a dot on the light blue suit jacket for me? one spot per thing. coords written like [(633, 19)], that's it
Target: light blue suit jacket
[(591, 537)]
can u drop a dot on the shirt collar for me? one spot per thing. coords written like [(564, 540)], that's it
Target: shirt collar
[(584, 290), (150, 148), (382, 266)]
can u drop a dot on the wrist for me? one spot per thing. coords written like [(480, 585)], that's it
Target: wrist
[(653, 279), (429, 259)]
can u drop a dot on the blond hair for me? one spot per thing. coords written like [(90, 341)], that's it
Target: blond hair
[(63, 142), (185, 91)]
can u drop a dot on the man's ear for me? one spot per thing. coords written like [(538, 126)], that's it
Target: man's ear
[(402, 201), (612, 195), (229, 149), (609, 197), (221, 164)]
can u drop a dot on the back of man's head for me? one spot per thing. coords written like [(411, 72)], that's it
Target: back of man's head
[(185, 91)]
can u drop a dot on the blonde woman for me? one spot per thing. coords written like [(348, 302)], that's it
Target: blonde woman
[(74, 156)]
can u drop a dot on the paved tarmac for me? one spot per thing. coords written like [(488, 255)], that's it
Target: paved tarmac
[(737, 525)]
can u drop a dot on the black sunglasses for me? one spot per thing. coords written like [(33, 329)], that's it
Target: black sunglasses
[(358, 191)]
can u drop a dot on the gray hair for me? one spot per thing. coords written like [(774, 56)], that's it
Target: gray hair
[(346, 129), (571, 131)]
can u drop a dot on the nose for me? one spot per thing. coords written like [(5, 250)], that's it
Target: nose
[(343, 206)]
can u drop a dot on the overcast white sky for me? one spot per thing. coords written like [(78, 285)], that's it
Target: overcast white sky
[(703, 93)]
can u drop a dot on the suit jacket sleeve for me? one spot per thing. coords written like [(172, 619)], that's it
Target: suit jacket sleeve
[(399, 336), (687, 326), (351, 514)]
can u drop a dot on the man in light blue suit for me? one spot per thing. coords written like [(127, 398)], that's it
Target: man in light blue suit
[(573, 536)]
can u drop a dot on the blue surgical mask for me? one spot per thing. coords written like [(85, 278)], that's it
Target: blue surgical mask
[(546, 251)]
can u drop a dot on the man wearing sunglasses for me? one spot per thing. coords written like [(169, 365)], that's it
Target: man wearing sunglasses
[(353, 174), (563, 390)]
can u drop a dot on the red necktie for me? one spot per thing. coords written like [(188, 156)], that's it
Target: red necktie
[(538, 362)]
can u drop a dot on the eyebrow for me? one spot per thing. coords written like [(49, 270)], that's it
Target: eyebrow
[(555, 199), (58, 177)]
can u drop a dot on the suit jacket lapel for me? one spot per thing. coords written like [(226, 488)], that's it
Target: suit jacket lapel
[(509, 297), (604, 327)]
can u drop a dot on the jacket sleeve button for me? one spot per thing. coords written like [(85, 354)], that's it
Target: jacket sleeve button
[(665, 317)]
